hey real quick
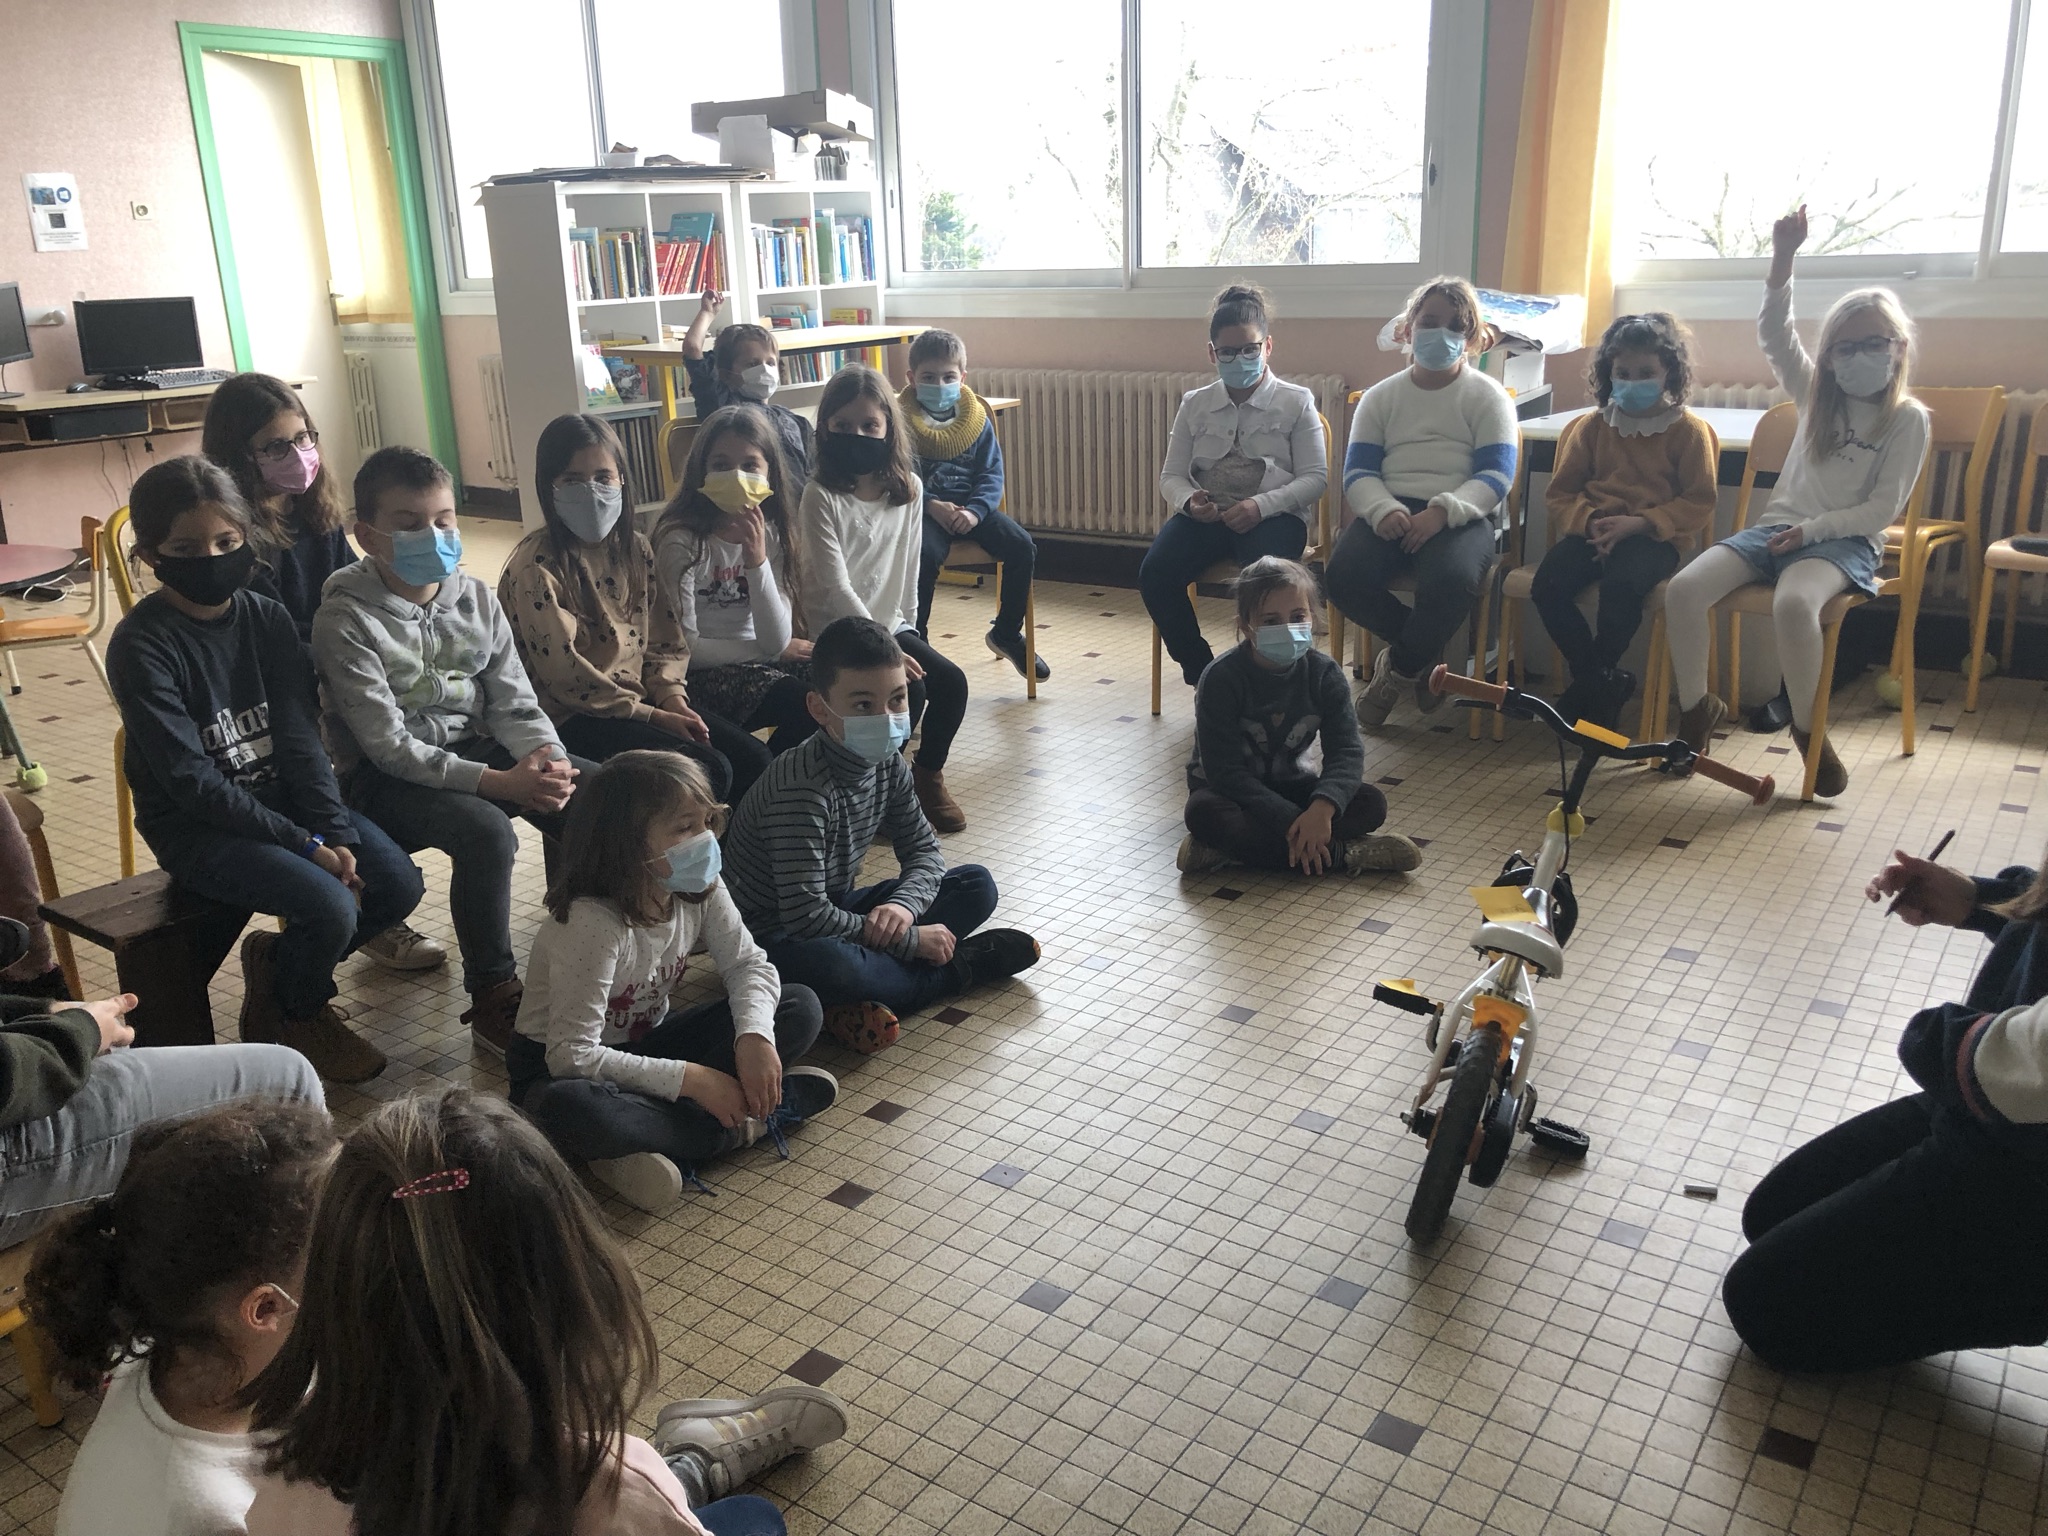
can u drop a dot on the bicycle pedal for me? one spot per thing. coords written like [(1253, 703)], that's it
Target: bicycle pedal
[(1559, 1139), (1422, 1122), (1403, 994)]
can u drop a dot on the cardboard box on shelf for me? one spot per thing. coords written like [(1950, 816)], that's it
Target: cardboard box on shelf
[(828, 114)]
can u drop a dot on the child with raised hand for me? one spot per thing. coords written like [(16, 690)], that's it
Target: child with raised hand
[(961, 465), (642, 1094), (1245, 467), (232, 786), (1631, 479), (798, 842), (183, 1284), (471, 1348), (1255, 797), (1430, 461), (596, 634), (744, 366), (434, 726), (862, 539), (1862, 440), (726, 557)]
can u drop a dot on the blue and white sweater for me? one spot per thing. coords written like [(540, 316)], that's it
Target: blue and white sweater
[(1454, 446)]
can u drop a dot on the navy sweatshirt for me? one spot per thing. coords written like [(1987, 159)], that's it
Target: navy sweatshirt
[(795, 432), (295, 574), (223, 727)]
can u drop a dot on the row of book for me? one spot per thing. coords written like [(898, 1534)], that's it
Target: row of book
[(688, 257), (806, 253), (638, 435), (609, 263)]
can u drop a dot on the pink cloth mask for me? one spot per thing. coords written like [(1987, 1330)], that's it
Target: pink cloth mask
[(295, 474)]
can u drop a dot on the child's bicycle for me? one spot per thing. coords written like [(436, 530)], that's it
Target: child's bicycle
[(1484, 1039)]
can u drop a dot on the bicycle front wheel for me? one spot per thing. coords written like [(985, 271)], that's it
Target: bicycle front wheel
[(1450, 1143)]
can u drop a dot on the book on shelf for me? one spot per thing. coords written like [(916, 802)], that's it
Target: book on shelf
[(846, 247), (639, 432), (689, 256), (610, 263), (785, 254)]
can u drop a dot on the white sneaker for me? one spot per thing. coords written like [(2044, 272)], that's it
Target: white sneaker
[(647, 1181), (400, 948), (740, 1439), (1382, 690), (1195, 858), (1381, 852)]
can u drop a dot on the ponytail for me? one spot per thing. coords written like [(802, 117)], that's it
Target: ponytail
[(74, 1292)]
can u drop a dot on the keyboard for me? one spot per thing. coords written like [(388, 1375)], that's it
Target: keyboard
[(173, 378)]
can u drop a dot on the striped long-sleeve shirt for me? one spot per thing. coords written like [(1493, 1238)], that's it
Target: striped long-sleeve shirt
[(1411, 443), (798, 839)]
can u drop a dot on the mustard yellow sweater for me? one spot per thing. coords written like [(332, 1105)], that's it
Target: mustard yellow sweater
[(1668, 477)]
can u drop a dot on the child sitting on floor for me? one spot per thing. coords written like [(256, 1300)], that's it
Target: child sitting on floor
[(183, 1284), (600, 1063), (798, 841), (744, 367), (1631, 480), (1254, 796), (470, 1351), (961, 465)]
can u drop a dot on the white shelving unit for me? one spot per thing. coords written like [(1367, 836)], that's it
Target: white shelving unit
[(542, 321)]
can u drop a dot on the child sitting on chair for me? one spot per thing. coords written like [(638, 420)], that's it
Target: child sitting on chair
[(744, 368)]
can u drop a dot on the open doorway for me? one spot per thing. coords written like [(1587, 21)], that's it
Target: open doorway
[(312, 176)]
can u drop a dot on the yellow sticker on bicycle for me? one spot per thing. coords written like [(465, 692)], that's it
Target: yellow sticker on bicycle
[(1600, 733), (1504, 1015), (1502, 904)]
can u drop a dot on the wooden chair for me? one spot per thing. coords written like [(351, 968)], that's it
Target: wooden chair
[(967, 555), (672, 451), (29, 813), (1518, 584), (116, 553), (1225, 571), (2002, 557), (79, 629), (31, 1349), (1966, 423)]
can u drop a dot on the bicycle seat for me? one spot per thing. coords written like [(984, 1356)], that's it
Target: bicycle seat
[(1526, 941)]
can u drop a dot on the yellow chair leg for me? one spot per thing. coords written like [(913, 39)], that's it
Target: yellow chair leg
[(2012, 618), (1733, 697), (1157, 648), (34, 1355), (1030, 636), (1980, 625), (1817, 737), (1909, 618), (1653, 679), (1504, 669), (1479, 625), (1333, 617)]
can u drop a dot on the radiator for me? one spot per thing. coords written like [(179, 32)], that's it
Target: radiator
[(362, 400), (1737, 397), (504, 458), (1082, 453)]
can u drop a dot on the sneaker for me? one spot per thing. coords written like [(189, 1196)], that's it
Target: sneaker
[(401, 948), (1697, 724), (994, 954), (1195, 858), (1577, 701), (807, 1092), (1381, 852), (863, 1027), (491, 1012), (647, 1181), (940, 808), (1011, 649), (739, 1439), (338, 1053), (1382, 690), (1427, 699), (262, 1014), (1616, 687), (1831, 778)]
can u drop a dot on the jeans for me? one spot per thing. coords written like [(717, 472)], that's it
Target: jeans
[(323, 919), (1880, 1242), (593, 1120), (1005, 540), (1183, 550), (1448, 571), (603, 737), (1221, 823), (477, 836), (1627, 576), (842, 971), (940, 700), (78, 1153)]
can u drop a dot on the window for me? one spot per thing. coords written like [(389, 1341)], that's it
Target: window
[(1097, 141), (2026, 197), (647, 98)]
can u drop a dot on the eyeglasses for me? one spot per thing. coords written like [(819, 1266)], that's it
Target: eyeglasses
[(1869, 346), (602, 477), (278, 449), (1232, 354)]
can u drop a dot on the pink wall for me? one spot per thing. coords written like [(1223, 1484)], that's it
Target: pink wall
[(97, 88)]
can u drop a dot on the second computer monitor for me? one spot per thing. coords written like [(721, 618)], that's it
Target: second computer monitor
[(122, 338)]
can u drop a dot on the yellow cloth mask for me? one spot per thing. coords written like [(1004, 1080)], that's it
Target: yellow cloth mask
[(734, 491)]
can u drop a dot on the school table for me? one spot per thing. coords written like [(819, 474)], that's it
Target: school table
[(1734, 426), (666, 357)]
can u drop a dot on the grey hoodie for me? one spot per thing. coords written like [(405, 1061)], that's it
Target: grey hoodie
[(402, 684)]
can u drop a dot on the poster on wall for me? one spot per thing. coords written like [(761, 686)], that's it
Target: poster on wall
[(54, 214)]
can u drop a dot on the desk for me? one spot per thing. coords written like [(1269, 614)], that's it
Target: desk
[(166, 410), (1735, 427), (664, 357)]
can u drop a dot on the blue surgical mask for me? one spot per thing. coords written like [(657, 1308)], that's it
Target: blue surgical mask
[(1284, 644), (874, 738), (1638, 397), (692, 865), (1241, 372), (939, 399), (1438, 347), (424, 556)]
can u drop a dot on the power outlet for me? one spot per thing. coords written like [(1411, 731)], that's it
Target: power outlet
[(142, 210)]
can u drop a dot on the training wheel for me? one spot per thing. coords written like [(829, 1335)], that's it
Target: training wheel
[(1890, 692), (32, 778)]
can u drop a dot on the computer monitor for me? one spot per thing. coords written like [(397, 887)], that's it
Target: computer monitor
[(121, 338), (13, 332)]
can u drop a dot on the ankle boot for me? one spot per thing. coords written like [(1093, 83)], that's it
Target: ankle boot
[(1832, 778), (1697, 724)]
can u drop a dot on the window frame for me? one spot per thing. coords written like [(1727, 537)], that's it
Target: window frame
[(1453, 126)]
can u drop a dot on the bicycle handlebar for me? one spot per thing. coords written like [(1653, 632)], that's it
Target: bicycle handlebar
[(1513, 701)]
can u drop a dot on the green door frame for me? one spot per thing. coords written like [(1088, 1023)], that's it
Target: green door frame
[(196, 39)]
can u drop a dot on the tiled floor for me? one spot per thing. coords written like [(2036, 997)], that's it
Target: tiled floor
[(1119, 1246)]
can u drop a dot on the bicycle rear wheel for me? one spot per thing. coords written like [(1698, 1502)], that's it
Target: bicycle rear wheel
[(1451, 1142)]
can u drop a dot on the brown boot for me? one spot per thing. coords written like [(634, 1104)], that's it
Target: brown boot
[(262, 1014), (940, 808), (863, 1027), (1832, 778), (338, 1053), (491, 1013), (1698, 723)]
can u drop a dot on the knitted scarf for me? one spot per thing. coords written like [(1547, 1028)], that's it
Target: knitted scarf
[(948, 439)]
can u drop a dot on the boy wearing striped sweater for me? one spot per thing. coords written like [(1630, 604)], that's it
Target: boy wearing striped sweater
[(798, 840)]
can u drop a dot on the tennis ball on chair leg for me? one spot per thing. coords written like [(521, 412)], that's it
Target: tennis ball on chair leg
[(1889, 692)]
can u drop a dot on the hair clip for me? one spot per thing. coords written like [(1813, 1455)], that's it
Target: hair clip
[(447, 1180)]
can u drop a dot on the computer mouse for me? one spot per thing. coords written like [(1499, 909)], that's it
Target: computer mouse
[(79, 389)]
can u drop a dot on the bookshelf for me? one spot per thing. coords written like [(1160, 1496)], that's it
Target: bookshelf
[(587, 258)]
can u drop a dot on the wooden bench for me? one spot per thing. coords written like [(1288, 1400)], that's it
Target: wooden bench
[(167, 944)]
